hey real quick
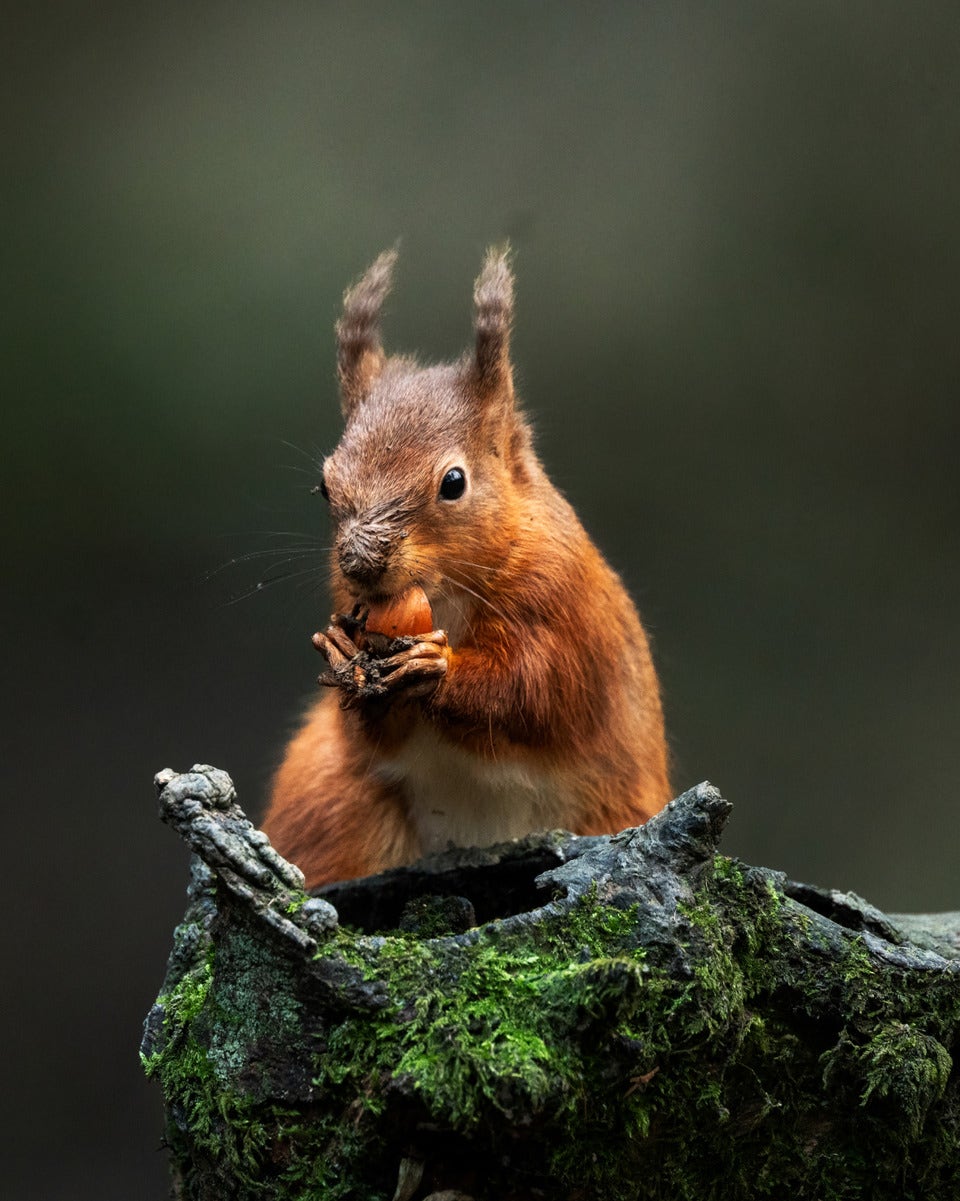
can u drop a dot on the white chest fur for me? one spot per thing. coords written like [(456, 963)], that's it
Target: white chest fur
[(456, 797)]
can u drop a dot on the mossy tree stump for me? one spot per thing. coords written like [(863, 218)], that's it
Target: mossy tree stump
[(563, 1018)]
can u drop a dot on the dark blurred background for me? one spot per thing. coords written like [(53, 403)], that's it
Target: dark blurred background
[(737, 248)]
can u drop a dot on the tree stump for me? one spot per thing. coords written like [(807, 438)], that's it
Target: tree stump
[(635, 1016)]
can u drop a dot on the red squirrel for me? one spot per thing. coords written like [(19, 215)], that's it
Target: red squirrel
[(525, 696)]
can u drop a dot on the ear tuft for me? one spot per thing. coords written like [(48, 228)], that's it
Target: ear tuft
[(493, 317), (360, 356)]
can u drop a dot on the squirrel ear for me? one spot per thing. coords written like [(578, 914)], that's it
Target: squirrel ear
[(493, 316), (360, 356)]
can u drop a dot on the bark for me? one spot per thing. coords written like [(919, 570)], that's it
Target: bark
[(636, 1016)]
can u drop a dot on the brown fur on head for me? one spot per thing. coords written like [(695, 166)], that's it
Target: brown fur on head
[(399, 514)]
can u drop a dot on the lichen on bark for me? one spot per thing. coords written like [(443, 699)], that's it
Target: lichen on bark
[(573, 1018)]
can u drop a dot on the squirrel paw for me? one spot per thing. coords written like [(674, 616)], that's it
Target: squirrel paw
[(414, 669), (336, 646), (417, 669)]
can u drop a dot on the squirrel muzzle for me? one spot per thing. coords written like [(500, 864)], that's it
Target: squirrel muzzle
[(365, 547)]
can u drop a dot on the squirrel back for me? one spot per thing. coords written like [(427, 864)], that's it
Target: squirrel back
[(532, 702)]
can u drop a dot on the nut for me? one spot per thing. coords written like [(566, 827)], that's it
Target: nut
[(407, 614)]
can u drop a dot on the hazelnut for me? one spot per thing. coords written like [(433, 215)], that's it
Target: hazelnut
[(406, 614)]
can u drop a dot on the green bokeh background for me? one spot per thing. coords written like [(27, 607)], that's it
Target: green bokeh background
[(738, 293)]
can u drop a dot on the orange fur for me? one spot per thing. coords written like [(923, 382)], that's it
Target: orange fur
[(548, 712)]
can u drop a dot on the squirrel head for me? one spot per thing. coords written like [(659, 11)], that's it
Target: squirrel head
[(425, 482)]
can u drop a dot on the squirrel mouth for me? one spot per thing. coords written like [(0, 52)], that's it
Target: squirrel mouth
[(369, 598)]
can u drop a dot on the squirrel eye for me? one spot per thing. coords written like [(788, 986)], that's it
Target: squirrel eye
[(453, 484)]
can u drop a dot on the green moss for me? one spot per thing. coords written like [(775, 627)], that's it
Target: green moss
[(634, 1072), (899, 1068), (293, 907), (180, 1007), (474, 1030), (593, 926)]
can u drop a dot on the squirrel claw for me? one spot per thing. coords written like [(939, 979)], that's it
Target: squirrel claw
[(422, 650), (418, 669), (438, 637), (330, 652), (335, 646), (341, 640)]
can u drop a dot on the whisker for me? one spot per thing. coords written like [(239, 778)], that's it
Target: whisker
[(304, 535), (448, 595), (269, 582), (452, 578), (266, 552), (315, 458), (482, 599), (288, 534), (479, 566), (287, 552), (298, 468)]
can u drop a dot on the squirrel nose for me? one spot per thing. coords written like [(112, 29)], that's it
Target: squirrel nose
[(363, 555)]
